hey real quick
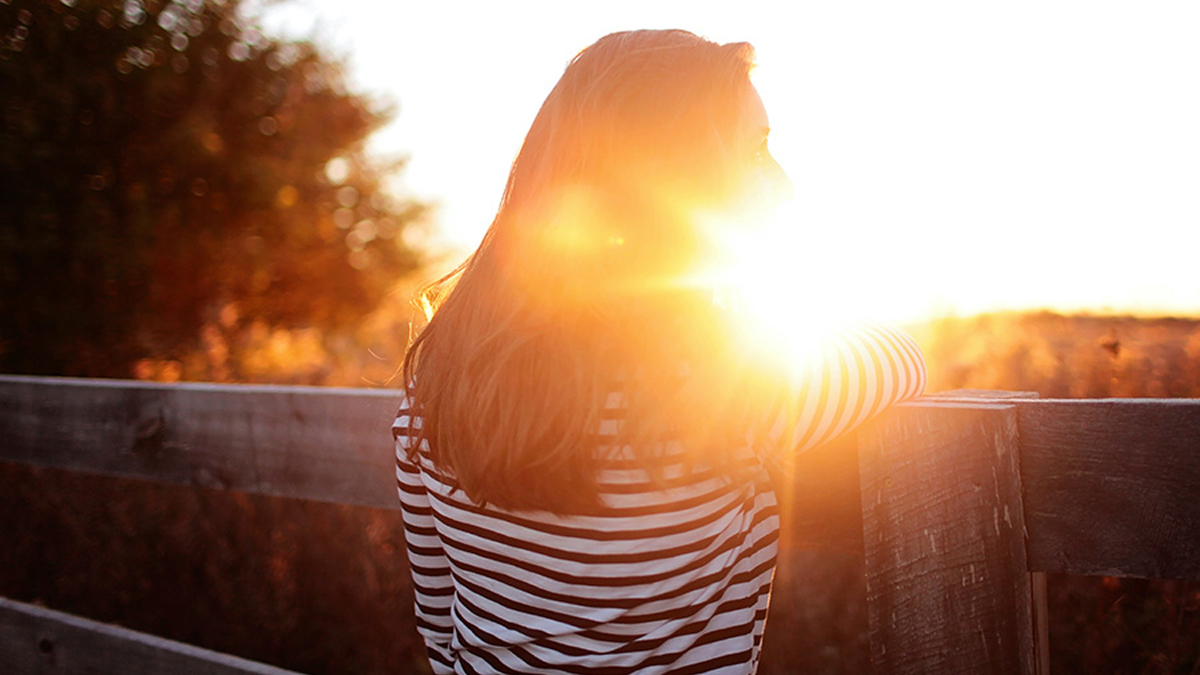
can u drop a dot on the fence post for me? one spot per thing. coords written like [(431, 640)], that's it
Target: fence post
[(948, 588)]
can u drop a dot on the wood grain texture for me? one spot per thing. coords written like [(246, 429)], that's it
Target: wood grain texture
[(947, 583), (313, 443), (1041, 622), (1112, 486), (39, 641)]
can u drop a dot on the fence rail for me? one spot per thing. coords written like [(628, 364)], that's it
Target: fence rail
[(959, 505), (39, 640)]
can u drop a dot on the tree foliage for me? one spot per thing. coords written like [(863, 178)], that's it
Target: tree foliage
[(165, 166)]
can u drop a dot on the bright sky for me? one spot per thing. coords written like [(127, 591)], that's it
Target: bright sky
[(947, 156)]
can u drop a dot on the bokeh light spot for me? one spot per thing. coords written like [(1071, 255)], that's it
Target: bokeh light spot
[(347, 197), (286, 197), (168, 18), (213, 142), (337, 170), (239, 51), (134, 14), (355, 242), (366, 231), (228, 315), (360, 260), (343, 218)]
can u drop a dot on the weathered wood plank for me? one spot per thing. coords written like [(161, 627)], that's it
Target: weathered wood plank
[(1112, 486), (308, 442), (39, 641), (947, 584), (1037, 580)]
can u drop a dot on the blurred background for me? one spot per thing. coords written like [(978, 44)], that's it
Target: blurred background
[(251, 191)]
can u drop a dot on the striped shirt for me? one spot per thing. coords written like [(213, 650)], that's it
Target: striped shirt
[(670, 576)]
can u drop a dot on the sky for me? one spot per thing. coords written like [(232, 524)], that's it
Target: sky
[(948, 157)]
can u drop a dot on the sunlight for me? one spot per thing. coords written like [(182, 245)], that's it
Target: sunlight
[(767, 276), (797, 273)]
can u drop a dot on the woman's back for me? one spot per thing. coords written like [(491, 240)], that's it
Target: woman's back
[(672, 573)]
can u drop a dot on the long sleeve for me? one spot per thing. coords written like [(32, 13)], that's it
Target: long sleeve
[(433, 586), (852, 376)]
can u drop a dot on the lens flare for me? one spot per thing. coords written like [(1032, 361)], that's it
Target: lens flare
[(782, 293)]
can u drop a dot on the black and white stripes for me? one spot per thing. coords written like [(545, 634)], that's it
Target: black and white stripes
[(849, 377), (671, 576)]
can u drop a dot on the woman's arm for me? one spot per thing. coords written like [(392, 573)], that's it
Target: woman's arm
[(854, 375), (433, 587)]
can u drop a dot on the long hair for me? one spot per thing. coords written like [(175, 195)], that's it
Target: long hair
[(582, 277)]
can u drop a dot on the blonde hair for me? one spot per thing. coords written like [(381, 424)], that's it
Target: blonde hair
[(578, 278)]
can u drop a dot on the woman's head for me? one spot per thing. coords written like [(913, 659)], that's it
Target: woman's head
[(648, 105), (645, 137)]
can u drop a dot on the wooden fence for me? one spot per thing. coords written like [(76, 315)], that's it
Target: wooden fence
[(959, 504)]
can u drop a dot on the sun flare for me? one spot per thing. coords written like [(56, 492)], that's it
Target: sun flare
[(787, 297)]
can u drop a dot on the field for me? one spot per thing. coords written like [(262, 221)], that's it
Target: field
[(323, 588)]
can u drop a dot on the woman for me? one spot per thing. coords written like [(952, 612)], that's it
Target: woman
[(585, 445)]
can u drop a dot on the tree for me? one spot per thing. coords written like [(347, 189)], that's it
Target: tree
[(165, 164)]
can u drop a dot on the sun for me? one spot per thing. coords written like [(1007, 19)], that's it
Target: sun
[(787, 295)]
